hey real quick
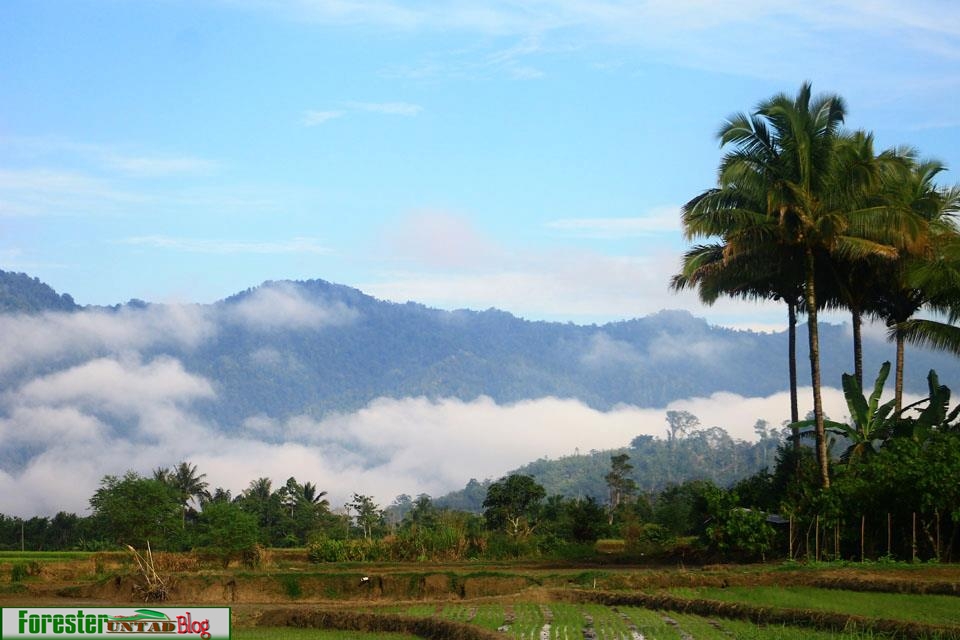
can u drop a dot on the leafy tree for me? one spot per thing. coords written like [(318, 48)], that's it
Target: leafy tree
[(512, 505), (679, 423), (135, 510), (621, 486), (368, 513), (226, 531), (736, 529), (684, 509), (260, 500)]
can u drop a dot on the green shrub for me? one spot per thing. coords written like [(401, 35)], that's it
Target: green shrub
[(18, 572)]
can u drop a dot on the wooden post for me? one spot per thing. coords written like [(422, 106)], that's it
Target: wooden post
[(889, 534), (790, 542), (816, 539), (863, 529), (913, 539), (836, 541), (937, 514)]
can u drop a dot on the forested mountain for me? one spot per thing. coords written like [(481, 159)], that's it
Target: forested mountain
[(291, 348), (657, 463), (19, 293)]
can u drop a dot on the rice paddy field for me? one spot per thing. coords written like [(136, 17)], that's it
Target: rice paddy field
[(289, 597)]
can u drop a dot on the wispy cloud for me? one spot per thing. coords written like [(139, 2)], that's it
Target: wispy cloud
[(690, 33), (111, 158), (157, 166), (660, 220), (282, 306), (32, 192), (314, 118), (219, 246), (388, 108)]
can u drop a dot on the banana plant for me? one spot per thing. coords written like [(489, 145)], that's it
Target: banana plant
[(872, 422), (936, 415)]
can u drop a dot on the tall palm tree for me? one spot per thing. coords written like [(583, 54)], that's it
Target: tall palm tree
[(924, 270), (189, 485), (788, 153), (763, 274), (940, 278), (850, 282)]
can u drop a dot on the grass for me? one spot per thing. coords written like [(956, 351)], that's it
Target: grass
[(282, 633), (570, 620), (931, 609), (43, 556), (722, 629)]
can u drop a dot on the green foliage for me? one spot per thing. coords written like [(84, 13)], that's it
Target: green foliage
[(512, 505), (684, 509), (226, 531), (18, 572), (133, 510), (291, 585), (737, 530), (368, 515)]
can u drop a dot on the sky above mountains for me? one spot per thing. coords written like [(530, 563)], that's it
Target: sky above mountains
[(530, 156)]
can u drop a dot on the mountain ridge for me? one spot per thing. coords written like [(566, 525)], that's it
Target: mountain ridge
[(314, 347)]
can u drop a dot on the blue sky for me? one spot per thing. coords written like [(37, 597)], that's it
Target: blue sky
[(530, 156)]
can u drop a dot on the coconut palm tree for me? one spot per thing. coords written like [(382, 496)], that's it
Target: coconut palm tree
[(788, 154), (925, 272), (189, 485), (761, 275), (849, 283)]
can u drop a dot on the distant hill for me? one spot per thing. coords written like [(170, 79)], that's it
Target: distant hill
[(290, 348), (19, 293), (705, 454)]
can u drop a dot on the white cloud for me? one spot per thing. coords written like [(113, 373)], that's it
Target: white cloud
[(674, 347), (314, 118), (582, 286), (604, 351), (118, 387), (392, 446), (225, 247), (281, 305), (440, 240), (53, 337)]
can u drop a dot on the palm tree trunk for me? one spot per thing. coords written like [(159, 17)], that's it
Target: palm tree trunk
[(792, 357), (814, 338), (898, 385), (857, 320)]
